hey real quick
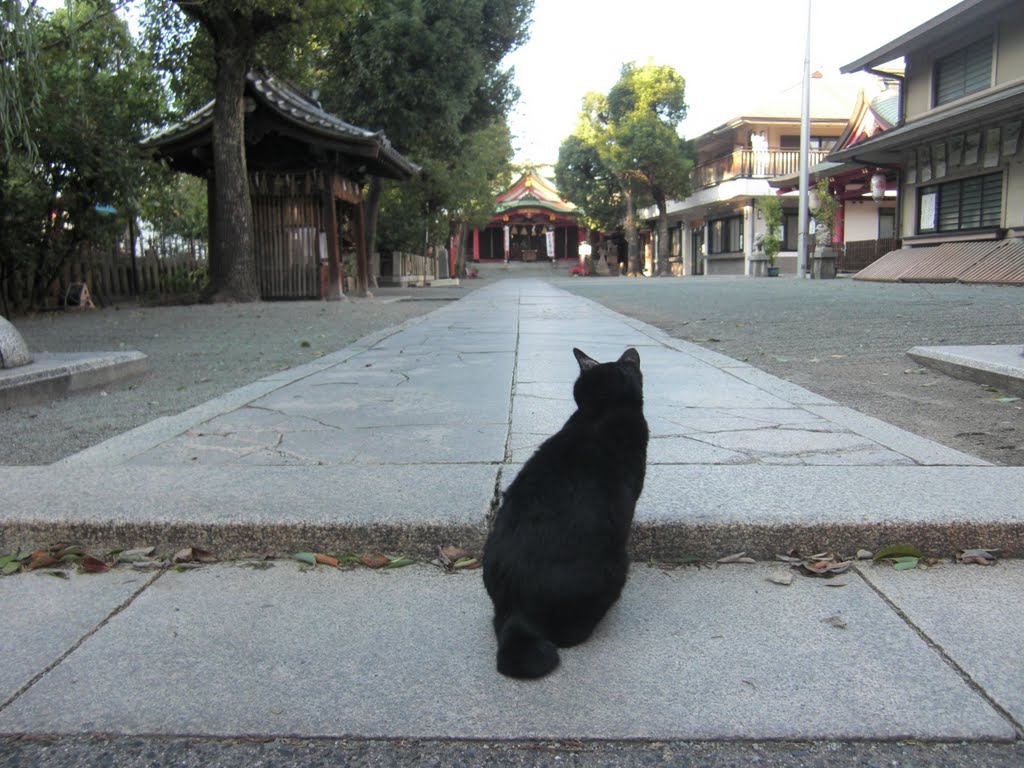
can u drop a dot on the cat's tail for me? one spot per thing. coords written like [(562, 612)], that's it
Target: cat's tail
[(523, 650)]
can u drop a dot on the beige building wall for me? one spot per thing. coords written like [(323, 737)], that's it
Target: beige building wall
[(861, 222), (1008, 29)]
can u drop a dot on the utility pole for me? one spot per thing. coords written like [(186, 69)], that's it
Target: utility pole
[(803, 221)]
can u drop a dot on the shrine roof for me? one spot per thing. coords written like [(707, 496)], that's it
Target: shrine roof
[(532, 190), (305, 122)]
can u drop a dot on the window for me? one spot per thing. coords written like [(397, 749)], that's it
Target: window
[(813, 142), (790, 231), (965, 71), (965, 204), (726, 235), (886, 223)]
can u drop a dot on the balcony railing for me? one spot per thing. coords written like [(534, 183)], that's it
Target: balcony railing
[(752, 164)]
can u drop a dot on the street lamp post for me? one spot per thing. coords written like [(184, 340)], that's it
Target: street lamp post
[(803, 221)]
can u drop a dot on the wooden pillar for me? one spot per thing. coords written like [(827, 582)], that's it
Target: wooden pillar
[(363, 262), (334, 292), (476, 244)]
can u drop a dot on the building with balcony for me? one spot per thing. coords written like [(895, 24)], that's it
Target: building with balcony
[(714, 230), (957, 146), (865, 222)]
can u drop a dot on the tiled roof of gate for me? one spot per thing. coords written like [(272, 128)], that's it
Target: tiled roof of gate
[(287, 102)]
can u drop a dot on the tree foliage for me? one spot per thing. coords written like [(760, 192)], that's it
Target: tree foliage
[(583, 178), (97, 96), (429, 75), (20, 80), (771, 210), (633, 132)]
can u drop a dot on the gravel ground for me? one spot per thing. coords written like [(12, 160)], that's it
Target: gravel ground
[(195, 353), (847, 340), (841, 338)]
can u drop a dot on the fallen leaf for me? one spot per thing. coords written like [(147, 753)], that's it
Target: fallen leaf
[(897, 550), (399, 562), (739, 557), (785, 579), (835, 621), (10, 567), (374, 561), (789, 559), (448, 555), (139, 555), (916, 370), (326, 560), (92, 564), (305, 557), (904, 563), (863, 554), (44, 560), (977, 556), (835, 583), (466, 563), (201, 555), (1006, 399)]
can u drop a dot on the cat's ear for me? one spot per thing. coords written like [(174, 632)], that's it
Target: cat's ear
[(630, 356), (586, 362)]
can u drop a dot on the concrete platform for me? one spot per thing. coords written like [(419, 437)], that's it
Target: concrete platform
[(693, 653), (51, 375), (998, 365)]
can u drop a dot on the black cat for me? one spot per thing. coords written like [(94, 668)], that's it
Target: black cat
[(555, 560)]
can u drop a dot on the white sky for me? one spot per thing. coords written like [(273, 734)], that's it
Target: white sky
[(730, 52)]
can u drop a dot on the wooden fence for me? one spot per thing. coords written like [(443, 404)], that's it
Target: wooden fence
[(287, 212), (857, 254), (165, 267)]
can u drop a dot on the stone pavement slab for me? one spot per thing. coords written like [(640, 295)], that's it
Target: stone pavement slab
[(45, 617), (973, 615), (717, 653)]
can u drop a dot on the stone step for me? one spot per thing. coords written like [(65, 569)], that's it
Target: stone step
[(685, 510)]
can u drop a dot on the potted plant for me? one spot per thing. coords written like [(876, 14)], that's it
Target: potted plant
[(771, 244)]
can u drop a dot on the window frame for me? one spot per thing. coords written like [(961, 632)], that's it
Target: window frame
[(958, 65), (887, 213), (936, 202), (731, 225)]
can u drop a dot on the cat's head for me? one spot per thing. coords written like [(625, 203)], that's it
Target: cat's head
[(617, 381)]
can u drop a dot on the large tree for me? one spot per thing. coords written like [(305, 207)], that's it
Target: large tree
[(429, 74), (234, 28), (633, 132)]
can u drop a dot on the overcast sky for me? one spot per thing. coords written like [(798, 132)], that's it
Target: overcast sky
[(730, 52)]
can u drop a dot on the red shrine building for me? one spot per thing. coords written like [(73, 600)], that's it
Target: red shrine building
[(531, 222)]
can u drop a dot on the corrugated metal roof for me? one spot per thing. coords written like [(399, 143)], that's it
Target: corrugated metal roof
[(1000, 261)]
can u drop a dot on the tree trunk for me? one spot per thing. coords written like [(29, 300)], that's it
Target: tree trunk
[(460, 250), (232, 257), (661, 267), (371, 210), (632, 237)]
